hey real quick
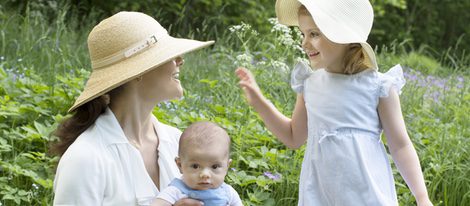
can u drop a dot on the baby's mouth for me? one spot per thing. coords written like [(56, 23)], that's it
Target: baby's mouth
[(205, 184)]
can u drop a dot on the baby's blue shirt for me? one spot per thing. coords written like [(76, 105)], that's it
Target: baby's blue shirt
[(210, 197)]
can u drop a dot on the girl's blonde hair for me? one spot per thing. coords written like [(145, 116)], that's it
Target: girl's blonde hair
[(355, 60)]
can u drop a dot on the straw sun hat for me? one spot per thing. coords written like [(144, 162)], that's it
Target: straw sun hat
[(125, 46), (341, 21)]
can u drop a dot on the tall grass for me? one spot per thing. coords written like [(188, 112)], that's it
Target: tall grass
[(44, 64)]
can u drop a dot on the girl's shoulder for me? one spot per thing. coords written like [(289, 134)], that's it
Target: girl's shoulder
[(392, 79), (300, 73)]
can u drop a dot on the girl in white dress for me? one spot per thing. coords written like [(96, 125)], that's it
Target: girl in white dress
[(343, 104)]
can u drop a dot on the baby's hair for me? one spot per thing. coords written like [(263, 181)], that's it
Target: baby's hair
[(355, 59), (201, 134)]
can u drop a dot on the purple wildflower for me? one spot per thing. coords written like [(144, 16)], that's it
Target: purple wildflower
[(272, 176), (435, 96)]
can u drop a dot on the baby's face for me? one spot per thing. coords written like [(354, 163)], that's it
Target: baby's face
[(204, 168)]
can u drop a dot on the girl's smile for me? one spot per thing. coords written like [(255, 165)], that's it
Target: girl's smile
[(312, 55)]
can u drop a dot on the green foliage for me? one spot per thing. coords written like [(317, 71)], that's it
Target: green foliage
[(439, 24), (43, 67)]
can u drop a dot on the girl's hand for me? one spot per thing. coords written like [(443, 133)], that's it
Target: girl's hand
[(188, 202), (424, 202), (250, 87)]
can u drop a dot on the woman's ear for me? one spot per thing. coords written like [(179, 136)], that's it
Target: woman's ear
[(178, 163)]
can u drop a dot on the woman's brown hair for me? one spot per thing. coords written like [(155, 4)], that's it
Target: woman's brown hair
[(84, 116)]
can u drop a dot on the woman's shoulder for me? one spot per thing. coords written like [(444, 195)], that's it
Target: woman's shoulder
[(85, 147)]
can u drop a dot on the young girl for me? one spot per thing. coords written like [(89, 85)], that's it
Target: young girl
[(342, 107)]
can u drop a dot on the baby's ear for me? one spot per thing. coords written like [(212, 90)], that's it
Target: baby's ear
[(178, 163)]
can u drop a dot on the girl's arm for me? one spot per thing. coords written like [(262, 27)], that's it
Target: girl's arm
[(291, 132), (401, 147)]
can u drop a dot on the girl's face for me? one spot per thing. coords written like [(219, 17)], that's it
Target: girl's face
[(321, 52), (163, 83)]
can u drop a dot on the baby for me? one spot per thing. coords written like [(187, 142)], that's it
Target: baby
[(203, 160)]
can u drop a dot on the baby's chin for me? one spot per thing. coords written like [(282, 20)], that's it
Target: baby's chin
[(204, 186)]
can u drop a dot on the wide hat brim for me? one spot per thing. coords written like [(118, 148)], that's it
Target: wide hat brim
[(103, 80), (336, 28)]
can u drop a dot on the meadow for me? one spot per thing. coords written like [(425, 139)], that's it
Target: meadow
[(43, 67)]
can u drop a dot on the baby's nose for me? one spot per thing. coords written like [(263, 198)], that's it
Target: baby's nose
[(205, 173)]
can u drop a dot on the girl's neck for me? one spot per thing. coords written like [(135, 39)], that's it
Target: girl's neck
[(335, 69)]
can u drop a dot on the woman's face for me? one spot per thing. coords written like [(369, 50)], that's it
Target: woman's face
[(321, 52), (163, 82)]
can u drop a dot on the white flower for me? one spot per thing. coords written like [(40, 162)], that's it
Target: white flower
[(281, 66), (244, 60)]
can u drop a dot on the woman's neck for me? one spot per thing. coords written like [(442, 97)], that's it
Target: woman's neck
[(133, 115)]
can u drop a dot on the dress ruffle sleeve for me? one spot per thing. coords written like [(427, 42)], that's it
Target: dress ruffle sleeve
[(392, 78), (300, 73)]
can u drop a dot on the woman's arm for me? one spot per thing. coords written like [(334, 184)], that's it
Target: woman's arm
[(291, 132), (401, 147), (79, 179)]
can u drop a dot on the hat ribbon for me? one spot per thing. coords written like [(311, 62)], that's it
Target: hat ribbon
[(126, 53)]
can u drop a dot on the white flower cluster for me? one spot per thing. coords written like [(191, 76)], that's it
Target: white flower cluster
[(301, 59), (244, 60), (242, 28), (285, 34), (280, 66)]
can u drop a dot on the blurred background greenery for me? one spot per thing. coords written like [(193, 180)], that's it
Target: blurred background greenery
[(440, 25)]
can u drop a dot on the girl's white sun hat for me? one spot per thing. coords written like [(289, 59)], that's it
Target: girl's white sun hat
[(341, 21), (125, 46)]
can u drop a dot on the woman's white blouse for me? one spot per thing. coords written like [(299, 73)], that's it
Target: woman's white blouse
[(102, 168)]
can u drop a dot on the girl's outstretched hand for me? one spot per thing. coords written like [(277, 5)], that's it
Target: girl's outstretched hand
[(424, 202), (250, 87)]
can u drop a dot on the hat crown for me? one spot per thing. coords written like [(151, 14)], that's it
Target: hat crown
[(119, 32), (352, 18)]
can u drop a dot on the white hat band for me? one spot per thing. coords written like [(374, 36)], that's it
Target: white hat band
[(128, 52)]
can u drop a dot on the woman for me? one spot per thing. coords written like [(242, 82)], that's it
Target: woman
[(110, 144)]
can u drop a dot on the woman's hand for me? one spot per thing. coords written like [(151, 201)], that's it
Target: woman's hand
[(188, 202), (250, 87)]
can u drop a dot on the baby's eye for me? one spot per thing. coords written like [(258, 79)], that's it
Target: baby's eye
[(194, 166), (216, 166)]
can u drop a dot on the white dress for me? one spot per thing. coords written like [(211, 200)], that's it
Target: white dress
[(345, 162)]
